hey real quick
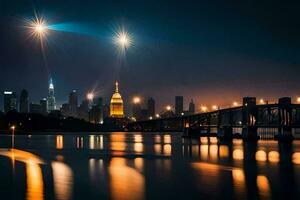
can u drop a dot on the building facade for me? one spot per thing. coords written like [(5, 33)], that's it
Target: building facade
[(73, 104), (192, 107), (24, 102), (151, 107), (10, 101), (51, 97), (116, 104), (178, 105)]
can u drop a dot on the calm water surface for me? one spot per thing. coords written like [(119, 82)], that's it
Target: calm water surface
[(146, 166)]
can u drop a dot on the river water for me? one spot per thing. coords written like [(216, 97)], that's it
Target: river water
[(145, 166)]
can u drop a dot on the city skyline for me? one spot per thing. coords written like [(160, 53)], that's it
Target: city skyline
[(225, 61)]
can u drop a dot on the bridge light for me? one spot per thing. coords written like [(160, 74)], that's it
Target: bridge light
[(136, 100), (214, 107), (261, 101), (203, 108), (235, 103)]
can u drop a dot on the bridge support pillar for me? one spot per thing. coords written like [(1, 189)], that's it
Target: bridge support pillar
[(285, 116), (249, 133), (225, 133), (284, 134)]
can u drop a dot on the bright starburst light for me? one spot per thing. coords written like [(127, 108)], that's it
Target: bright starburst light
[(38, 27), (123, 40)]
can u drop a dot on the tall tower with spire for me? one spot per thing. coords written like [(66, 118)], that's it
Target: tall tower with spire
[(51, 97), (116, 104)]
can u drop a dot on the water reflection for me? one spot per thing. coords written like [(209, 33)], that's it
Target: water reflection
[(63, 180), (126, 182), (59, 142), (151, 166), (118, 144), (34, 177), (35, 185), (239, 183), (263, 186)]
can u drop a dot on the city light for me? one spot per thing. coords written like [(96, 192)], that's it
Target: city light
[(12, 128), (261, 101), (123, 39), (203, 108), (90, 96), (168, 108), (298, 99), (235, 103), (37, 27), (214, 107), (157, 116), (136, 100)]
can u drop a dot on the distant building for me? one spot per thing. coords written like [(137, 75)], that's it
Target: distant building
[(83, 110), (24, 102), (10, 101), (43, 103), (144, 114), (116, 104), (178, 105), (96, 112), (151, 107), (106, 110), (65, 109), (136, 110), (192, 107), (51, 97), (73, 104), (35, 108)]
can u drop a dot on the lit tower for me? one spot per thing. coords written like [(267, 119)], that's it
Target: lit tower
[(51, 98), (116, 104)]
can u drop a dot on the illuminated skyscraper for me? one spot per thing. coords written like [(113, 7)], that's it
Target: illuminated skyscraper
[(116, 104), (73, 103), (10, 101), (51, 98)]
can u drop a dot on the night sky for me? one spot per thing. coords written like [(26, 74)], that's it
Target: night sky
[(212, 51)]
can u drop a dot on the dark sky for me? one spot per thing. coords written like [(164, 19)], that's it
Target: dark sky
[(212, 51)]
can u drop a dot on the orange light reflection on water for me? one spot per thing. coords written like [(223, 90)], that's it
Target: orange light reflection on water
[(59, 142), (63, 180), (35, 184), (125, 182)]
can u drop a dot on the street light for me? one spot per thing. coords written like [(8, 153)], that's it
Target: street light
[(261, 101), (136, 100), (90, 96), (12, 136), (168, 108)]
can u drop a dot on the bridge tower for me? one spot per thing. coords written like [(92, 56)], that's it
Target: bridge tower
[(284, 116), (249, 116)]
